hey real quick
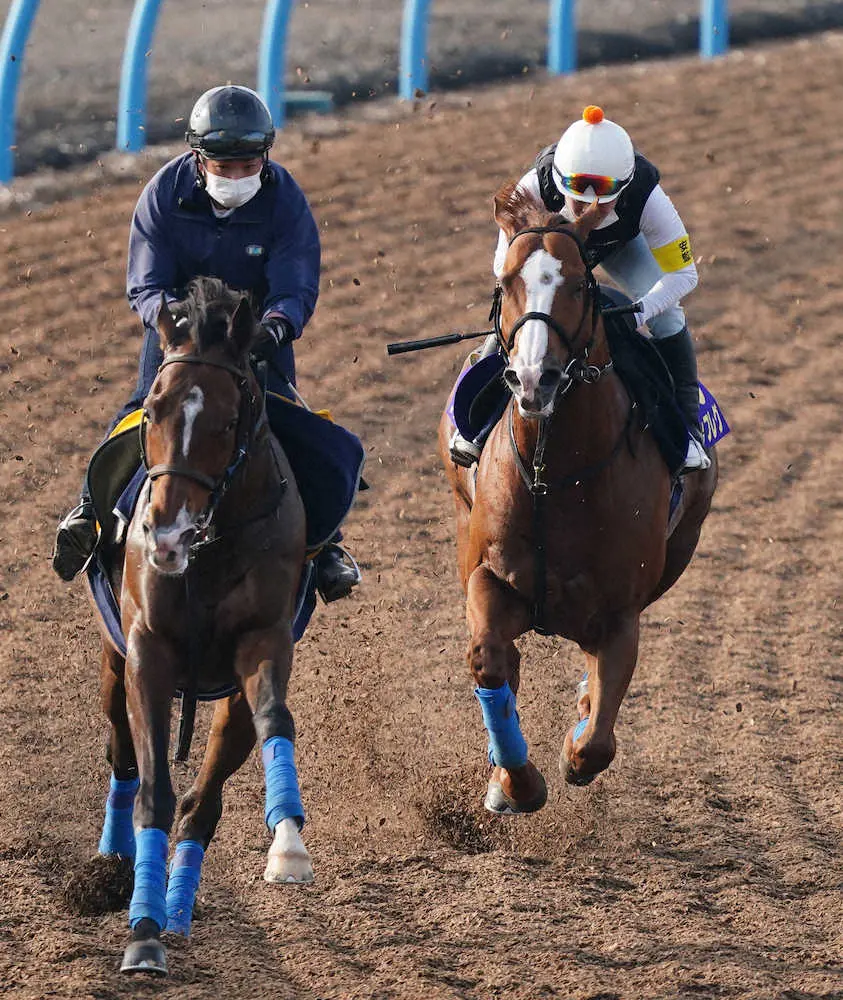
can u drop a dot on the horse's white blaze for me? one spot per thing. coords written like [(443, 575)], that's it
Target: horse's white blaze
[(542, 275), (193, 404), (167, 539), (288, 860), (169, 535)]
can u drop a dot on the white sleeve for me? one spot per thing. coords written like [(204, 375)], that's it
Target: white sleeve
[(667, 237), (529, 183)]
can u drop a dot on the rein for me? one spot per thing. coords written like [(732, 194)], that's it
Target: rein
[(577, 370)]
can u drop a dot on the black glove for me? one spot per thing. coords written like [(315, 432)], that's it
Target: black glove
[(274, 333)]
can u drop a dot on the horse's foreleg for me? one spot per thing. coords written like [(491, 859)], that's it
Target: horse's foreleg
[(150, 668), (590, 745), (264, 661), (230, 742), (496, 615), (118, 835)]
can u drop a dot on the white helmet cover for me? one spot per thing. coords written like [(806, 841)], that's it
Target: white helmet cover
[(596, 146)]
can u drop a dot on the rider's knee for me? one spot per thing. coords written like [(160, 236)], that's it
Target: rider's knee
[(668, 323)]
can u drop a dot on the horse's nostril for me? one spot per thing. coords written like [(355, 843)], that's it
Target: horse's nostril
[(147, 528), (511, 377), (550, 378), (187, 536)]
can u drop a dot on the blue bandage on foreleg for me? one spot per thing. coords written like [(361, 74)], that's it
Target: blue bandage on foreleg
[(118, 834), (507, 746), (283, 800), (149, 896), (185, 870)]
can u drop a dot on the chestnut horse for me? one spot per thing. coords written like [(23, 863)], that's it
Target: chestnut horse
[(565, 528), (213, 559)]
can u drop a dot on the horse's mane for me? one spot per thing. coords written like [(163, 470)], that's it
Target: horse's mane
[(208, 306), (521, 209)]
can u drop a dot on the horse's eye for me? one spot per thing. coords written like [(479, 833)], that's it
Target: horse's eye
[(230, 426)]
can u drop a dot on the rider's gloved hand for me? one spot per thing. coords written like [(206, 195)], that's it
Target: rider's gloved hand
[(275, 332)]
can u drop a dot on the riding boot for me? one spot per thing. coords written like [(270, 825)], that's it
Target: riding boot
[(336, 573), (678, 354), (465, 452), (76, 539)]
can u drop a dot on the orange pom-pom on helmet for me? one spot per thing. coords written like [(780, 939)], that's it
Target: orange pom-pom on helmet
[(594, 159)]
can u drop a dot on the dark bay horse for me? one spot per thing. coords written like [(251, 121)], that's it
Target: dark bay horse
[(565, 529), (209, 578)]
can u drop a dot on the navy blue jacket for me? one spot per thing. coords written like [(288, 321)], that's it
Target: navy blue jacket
[(269, 246)]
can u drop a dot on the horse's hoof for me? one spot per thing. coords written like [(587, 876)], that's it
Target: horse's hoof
[(594, 759), (288, 869), (574, 777), (288, 860), (145, 956), (521, 790)]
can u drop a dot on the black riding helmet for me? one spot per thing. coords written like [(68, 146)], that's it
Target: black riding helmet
[(230, 123)]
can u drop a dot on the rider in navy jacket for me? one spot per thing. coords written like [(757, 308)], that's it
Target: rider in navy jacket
[(222, 210), (269, 246)]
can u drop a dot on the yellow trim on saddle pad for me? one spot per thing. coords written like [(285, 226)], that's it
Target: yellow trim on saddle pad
[(128, 423), (675, 255), (324, 414)]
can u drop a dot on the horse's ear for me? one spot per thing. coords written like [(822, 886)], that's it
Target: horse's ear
[(590, 218), (241, 327), (167, 329), (513, 208)]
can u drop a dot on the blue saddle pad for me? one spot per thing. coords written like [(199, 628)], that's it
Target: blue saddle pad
[(327, 461), (109, 610), (479, 396)]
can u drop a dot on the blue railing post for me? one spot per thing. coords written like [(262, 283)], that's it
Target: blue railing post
[(413, 71), (714, 28), (131, 107), (12, 44), (562, 37), (272, 58)]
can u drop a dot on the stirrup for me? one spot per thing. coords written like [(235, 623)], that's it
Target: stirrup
[(463, 452), (696, 459), (343, 583), (76, 539)]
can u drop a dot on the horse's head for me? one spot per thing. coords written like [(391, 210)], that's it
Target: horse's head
[(548, 305), (199, 418)]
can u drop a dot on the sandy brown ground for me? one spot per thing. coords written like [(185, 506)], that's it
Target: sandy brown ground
[(707, 861)]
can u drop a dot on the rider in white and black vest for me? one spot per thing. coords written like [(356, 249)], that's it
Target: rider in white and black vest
[(641, 244)]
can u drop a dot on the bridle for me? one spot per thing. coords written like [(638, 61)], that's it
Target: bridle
[(577, 368), (247, 418)]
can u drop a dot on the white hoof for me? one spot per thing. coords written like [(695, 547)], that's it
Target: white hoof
[(288, 860)]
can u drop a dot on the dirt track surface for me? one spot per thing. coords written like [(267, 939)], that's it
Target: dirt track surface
[(71, 69), (707, 861)]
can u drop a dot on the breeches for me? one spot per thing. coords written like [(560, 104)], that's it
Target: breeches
[(635, 270)]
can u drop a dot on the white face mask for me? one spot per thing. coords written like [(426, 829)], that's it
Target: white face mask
[(232, 193)]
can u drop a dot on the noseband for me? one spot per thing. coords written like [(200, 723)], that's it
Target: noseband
[(246, 420)]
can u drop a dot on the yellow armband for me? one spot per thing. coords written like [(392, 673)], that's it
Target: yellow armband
[(675, 255)]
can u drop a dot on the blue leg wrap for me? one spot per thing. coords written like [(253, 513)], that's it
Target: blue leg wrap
[(507, 746), (149, 896), (118, 834), (283, 800), (185, 869)]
